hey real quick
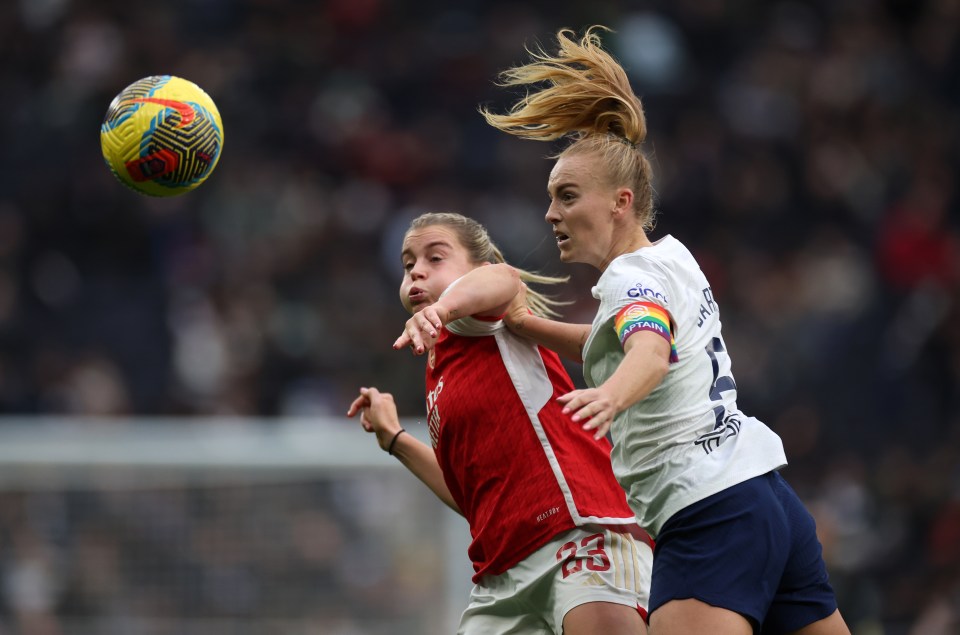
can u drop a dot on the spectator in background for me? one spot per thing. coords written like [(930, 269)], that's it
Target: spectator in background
[(795, 130)]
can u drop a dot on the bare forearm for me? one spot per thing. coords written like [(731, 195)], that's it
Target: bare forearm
[(484, 289), (565, 339), (639, 372), (643, 368), (420, 459)]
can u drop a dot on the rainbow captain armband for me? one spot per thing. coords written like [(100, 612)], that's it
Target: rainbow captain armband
[(645, 316)]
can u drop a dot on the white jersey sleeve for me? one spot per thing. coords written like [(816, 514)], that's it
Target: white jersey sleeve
[(687, 439)]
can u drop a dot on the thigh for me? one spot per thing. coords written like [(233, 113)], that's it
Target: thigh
[(804, 595), (583, 566), (726, 552), (485, 623), (693, 617), (833, 624), (585, 573), (603, 618), (601, 576), (495, 607)]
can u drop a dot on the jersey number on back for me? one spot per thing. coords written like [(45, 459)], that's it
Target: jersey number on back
[(726, 425)]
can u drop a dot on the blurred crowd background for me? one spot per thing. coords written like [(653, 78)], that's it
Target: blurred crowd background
[(807, 152)]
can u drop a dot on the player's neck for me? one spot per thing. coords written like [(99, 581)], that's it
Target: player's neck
[(631, 242)]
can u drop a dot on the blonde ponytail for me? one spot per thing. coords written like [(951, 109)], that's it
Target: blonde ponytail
[(582, 93), (586, 92)]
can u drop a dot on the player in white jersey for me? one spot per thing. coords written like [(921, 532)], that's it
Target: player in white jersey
[(686, 439), (737, 552)]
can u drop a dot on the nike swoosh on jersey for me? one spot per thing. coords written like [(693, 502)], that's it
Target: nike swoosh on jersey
[(187, 113)]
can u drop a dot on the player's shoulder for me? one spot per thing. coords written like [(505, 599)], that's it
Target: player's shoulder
[(664, 254), (643, 274)]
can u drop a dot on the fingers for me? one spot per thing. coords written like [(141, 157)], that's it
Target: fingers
[(366, 425), (362, 405), (590, 408), (378, 412), (421, 331), (594, 418), (572, 400), (358, 403), (602, 429), (373, 395), (582, 403), (365, 400), (431, 320), (380, 406), (410, 337), (521, 294), (402, 341), (517, 310)]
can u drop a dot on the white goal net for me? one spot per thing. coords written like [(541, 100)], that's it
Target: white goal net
[(177, 527)]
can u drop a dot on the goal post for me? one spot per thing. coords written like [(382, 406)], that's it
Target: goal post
[(232, 525)]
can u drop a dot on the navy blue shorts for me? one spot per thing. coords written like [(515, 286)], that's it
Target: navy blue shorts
[(751, 548)]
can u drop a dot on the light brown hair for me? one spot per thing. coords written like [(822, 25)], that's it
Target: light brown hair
[(475, 239)]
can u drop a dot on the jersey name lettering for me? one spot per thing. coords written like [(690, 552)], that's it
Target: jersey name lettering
[(708, 308)]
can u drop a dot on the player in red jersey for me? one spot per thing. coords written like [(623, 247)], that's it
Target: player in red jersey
[(555, 548)]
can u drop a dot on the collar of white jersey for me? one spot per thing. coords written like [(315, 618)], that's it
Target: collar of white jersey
[(663, 242)]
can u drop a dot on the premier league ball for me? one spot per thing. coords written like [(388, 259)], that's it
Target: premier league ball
[(162, 136)]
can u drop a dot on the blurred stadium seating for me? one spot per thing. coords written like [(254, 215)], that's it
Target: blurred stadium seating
[(807, 151)]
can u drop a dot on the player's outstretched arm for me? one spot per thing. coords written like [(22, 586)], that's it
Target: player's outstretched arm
[(565, 339), (378, 414), (486, 290), (644, 366)]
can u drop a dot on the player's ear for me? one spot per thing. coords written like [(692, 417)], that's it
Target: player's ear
[(623, 202)]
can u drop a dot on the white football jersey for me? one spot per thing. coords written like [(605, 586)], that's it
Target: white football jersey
[(686, 440)]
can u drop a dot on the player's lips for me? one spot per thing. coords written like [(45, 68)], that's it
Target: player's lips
[(561, 237), (416, 295)]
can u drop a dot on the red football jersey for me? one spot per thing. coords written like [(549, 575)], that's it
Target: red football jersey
[(519, 470)]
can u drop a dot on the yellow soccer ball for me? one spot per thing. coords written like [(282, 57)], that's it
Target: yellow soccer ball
[(162, 136)]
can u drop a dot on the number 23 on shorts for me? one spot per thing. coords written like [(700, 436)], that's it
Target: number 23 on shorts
[(588, 551)]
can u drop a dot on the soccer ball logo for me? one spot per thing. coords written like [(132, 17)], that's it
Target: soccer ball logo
[(162, 136)]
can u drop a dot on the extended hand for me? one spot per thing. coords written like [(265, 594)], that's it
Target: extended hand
[(422, 330), (592, 407), (378, 414)]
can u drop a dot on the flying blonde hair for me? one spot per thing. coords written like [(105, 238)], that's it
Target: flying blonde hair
[(475, 239), (582, 93)]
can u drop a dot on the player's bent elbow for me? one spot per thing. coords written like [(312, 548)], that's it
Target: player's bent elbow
[(658, 367), (511, 274), (661, 367)]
